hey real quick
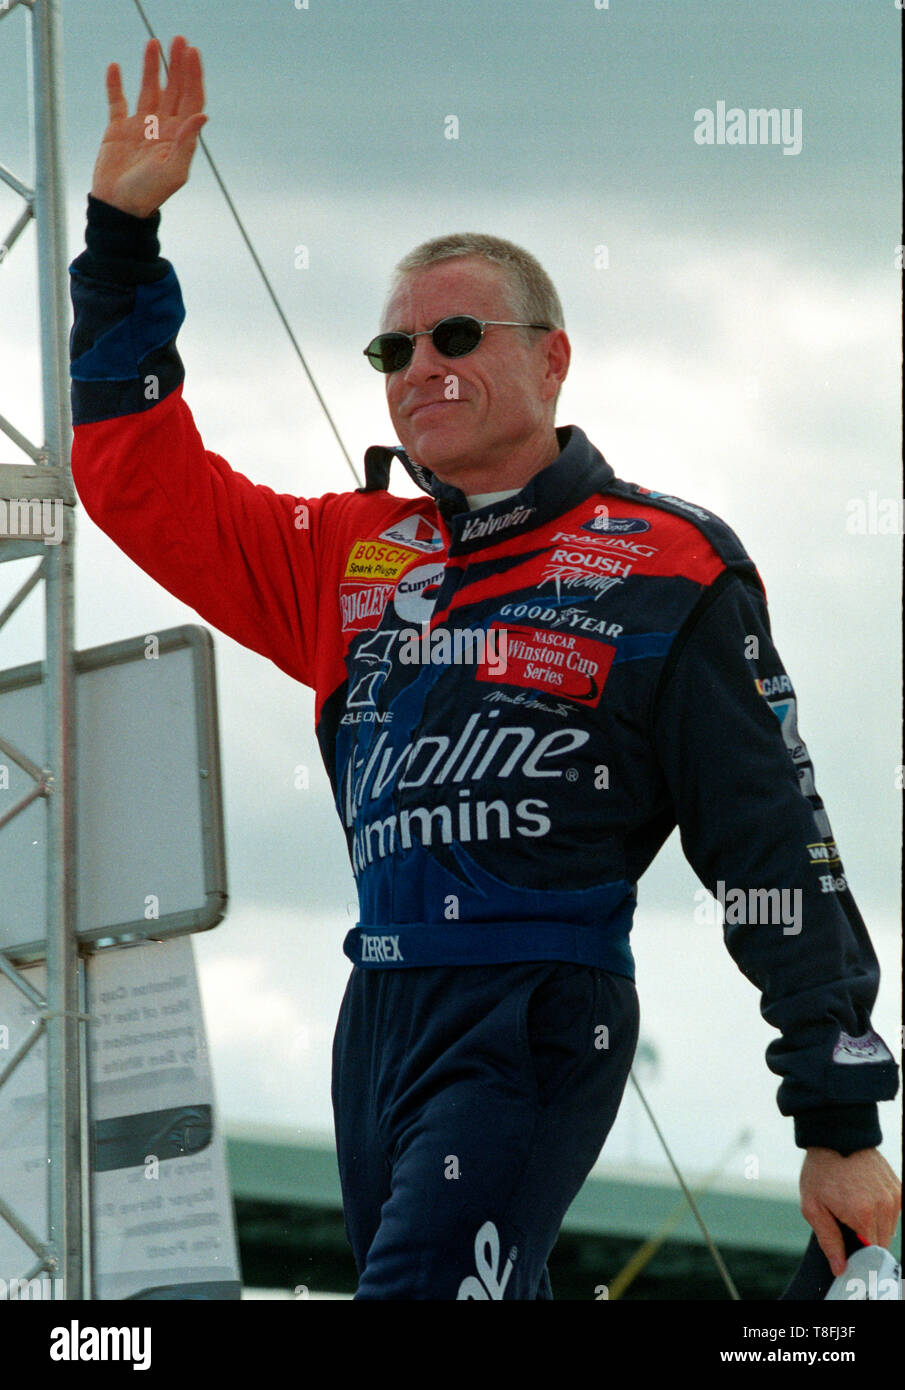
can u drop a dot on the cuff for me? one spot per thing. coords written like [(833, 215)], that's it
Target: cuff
[(845, 1128), (120, 247)]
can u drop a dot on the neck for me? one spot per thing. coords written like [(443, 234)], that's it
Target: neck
[(513, 472)]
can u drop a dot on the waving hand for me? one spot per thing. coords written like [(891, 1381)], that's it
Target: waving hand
[(145, 158)]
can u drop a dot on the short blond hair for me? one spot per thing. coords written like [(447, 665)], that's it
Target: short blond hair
[(534, 298)]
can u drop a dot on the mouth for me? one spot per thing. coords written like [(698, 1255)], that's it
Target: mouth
[(428, 408)]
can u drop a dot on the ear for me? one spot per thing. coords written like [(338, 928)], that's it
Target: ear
[(558, 354)]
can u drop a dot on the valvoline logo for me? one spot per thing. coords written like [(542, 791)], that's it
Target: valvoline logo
[(616, 525)]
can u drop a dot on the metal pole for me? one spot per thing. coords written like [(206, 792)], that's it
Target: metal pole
[(63, 1040)]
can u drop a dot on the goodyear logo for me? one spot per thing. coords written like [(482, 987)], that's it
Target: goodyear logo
[(378, 560)]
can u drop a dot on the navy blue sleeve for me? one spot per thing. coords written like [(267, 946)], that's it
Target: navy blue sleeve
[(128, 310), (756, 832)]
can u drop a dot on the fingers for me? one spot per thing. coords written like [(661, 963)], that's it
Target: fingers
[(874, 1212), (149, 96), (192, 95), (888, 1217), (116, 100), (829, 1238), (169, 102), (187, 135)]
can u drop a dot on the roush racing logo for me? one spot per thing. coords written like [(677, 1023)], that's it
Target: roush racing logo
[(606, 542), (590, 560)]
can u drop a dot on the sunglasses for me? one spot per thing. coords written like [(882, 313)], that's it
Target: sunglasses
[(452, 337)]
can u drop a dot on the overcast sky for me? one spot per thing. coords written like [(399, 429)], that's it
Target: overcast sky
[(734, 316)]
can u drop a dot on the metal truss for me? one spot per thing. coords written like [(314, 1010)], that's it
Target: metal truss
[(27, 490)]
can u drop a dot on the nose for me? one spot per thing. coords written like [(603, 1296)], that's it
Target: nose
[(426, 362)]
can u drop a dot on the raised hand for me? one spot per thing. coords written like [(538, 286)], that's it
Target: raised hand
[(145, 158)]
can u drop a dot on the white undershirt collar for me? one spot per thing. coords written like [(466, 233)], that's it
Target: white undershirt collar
[(485, 499)]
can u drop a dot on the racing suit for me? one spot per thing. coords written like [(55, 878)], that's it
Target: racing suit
[(515, 706)]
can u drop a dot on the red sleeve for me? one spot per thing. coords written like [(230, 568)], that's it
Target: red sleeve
[(248, 560)]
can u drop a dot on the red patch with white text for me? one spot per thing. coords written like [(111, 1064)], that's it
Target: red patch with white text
[(362, 608), (559, 662)]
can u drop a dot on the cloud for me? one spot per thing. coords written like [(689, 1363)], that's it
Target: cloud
[(271, 986)]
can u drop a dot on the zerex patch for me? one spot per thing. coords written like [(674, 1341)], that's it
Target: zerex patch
[(362, 606), (378, 560), (559, 662)]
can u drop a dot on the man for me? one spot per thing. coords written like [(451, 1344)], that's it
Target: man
[(510, 674)]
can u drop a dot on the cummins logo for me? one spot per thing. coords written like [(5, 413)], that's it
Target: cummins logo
[(416, 593)]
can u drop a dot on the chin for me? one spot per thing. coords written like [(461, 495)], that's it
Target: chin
[(444, 458)]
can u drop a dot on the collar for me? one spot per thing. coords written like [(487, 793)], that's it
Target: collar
[(577, 472)]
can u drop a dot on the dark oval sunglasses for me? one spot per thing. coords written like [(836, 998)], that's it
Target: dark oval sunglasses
[(452, 337)]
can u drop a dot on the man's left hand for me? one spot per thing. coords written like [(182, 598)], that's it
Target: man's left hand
[(861, 1190)]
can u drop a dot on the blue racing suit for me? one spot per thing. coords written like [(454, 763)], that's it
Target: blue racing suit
[(515, 705)]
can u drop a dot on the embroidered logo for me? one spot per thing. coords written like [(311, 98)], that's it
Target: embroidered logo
[(488, 1283)]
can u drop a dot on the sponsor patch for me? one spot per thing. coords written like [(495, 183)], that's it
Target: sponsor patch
[(824, 852), (786, 712), (590, 560), (775, 685), (415, 531), (488, 526), (568, 577), (605, 542), (378, 560), (677, 502), (380, 948), (616, 525), (416, 594), (568, 617), (849, 1051), (362, 607), (489, 1282), (559, 662)]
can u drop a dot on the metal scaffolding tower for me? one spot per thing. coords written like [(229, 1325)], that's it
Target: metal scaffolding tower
[(27, 490)]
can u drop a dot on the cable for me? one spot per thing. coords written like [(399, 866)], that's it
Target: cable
[(646, 1251), (254, 255), (718, 1259)]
